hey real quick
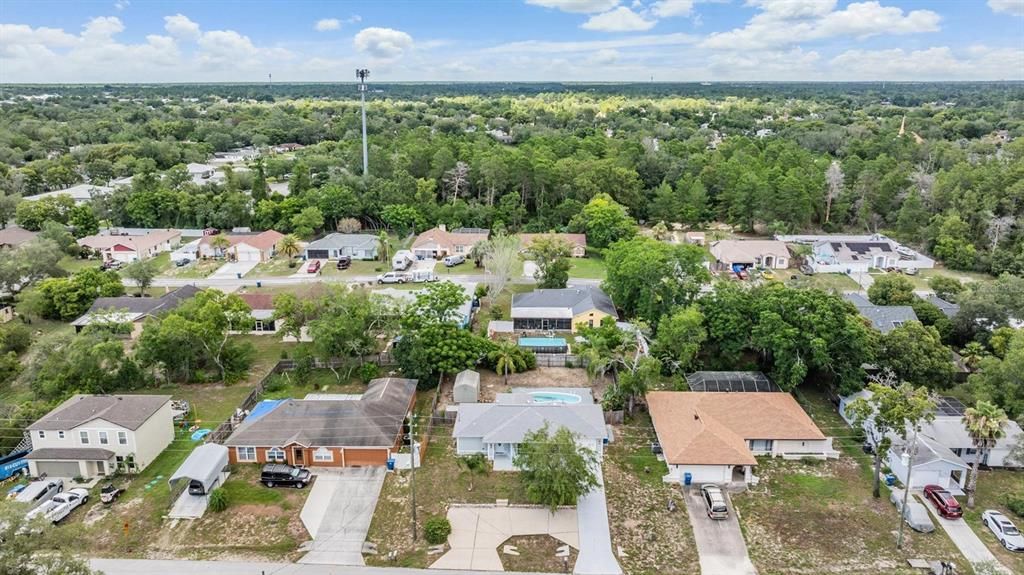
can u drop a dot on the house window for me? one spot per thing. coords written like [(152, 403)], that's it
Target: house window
[(60, 435), (276, 455), (460, 249), (897, 323), (122, 438), (83, 437), (246, 453), (103, 438), (323, 454), (761, 445), (42, 434)]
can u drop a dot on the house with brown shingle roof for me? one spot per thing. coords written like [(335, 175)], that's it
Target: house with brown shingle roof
[(715, 437), (259, 247), (131, 247), (577, 242), (437, 243), (262, 306)]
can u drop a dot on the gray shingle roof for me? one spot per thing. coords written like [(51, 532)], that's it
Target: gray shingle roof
[(128, 411), (948, 308), (578, 299), (375, 420), (505, 423), (337, 241), (142, 305), (70, 454), (885, 318)]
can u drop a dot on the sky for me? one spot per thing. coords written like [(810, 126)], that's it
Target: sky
[(108, 41)]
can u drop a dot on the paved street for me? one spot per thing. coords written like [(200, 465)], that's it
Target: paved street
[(338, 512), (172, 567), (719, 542), (296, 279)]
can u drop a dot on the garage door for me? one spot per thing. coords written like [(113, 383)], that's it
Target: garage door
[(58, 468), (922, 477), (365, 457), (248, 256), (316, 254)]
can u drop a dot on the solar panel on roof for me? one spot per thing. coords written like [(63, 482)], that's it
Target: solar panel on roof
[(730, 381), (949, 406)]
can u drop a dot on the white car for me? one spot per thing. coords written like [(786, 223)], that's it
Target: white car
[(1004, 530), (65, 503)]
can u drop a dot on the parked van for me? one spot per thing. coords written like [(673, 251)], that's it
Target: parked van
[(402, 260), (452, 261), (714, 502), (39, 492)]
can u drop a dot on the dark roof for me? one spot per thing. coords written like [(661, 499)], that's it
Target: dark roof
[(257, 301), (144, 305), (338, 241), (374, 420), (862, 247), (730, 381), (884, 318), (128, 411), (70, 454), (946, 307), (951, 406), (578, 299), (15, 236)]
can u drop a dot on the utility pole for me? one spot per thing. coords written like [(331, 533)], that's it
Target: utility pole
[(412, 460), (362, 74), (909, 460)]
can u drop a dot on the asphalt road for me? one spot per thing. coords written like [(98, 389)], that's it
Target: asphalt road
[(720, 542), (297, 280), (174, 567)]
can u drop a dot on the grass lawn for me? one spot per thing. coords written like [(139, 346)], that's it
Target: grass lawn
[(72, 264), (320, 381), (277, 267), (358, 268), (827, 282), (269, 350), (655, 540), (503, 302), (536, 555), (819, 516), (921, 280), (196, 270), (439, 483), (993, 487), (590, 267)]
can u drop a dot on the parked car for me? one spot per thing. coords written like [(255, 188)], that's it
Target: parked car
[(65, 503), (39, 492), (714, 502), (112, 265), (344, 262), (392, 278), (282, 474), (452, 261), (109, 492), (917, 516), (182, 262), (807, 270), (944, 502), (1004, 530), (313, 267), (768, 275), (911, 271)]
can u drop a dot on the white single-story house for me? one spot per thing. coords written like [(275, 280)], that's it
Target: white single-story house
[(857, 253), (496, 429), (463, 315), (933, 464), (94, 435), (436, 243), (79, 193), (333, 246), (262, 306), (743, 254), (714, 437), (577, 242)]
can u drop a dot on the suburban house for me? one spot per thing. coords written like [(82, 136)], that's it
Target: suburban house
[(333, 246), (132, 310), (713, 437), (933, 464), (730, 381), (950, 309), (204, 173), (13, 236), (738, 255), (695, 238), (436, 243), (578, 242), (80, 193), (329, 431), (94, 435), (464, 313), (244, 247), (857, 253), (129, 248), (496, 429), (262, 306), (288, 147), (561, 309), (235, 155), (884, 318)]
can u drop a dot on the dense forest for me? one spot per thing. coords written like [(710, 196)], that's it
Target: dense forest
[(940, 166)]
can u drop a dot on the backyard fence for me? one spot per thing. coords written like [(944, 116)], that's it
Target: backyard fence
[(560, 360)]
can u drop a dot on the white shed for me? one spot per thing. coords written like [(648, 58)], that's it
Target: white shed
[(467, 387)]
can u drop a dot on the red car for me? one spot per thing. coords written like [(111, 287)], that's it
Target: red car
[(314, 267), (944, 502)]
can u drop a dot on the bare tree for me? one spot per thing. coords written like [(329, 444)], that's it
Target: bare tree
[(834, 177), (501, 257), (456, 180), (997, 227), (349, 225)]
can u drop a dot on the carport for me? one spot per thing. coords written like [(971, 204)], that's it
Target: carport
[(206, 465)]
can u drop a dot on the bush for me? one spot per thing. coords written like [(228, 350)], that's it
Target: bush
[(369, 371), (436, 530), (15, 337), (1016, 504), (274, 384), (218, 500)]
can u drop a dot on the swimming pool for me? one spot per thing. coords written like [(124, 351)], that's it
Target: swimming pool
[(554, 397), (544, 344)]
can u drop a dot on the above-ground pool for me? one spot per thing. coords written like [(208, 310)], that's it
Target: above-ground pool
[(544, 344), (554, 397)]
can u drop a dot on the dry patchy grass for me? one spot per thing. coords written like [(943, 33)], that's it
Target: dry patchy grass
[(536, 555)]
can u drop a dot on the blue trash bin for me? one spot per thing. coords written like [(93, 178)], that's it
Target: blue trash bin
[(687, 478), (890, 480), (259, 284), (391, 464)]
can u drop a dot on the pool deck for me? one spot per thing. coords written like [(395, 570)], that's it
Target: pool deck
[(584, 393)]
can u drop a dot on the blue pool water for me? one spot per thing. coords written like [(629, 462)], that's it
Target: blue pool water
[(554, 397), (542, 342)]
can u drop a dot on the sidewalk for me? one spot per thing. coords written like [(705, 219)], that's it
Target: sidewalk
[(596, 556)]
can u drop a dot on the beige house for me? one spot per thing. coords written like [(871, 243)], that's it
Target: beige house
[(561, 309), (730, 254), (129, 248), (259, 247), (438, 242), (578, 242), (94, 435)]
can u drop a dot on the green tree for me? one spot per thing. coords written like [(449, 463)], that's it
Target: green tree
[(142, 272), (892, 289), (986, 424), (307, 222), (604, 221), (946, 287), (83, 221), (349, 324), (647, 278), (916, 354), (299, 182), (507, 359), (1001, 380), (502, 257), (43, 552), (950, 242), (220, 244), (67, 298), (260, 189), (679, 338), (475, 464), (385, 246), (289, 247), (402, 218), (59, 234), (555, 468), (437, 303), (551, 254), (439, 349)]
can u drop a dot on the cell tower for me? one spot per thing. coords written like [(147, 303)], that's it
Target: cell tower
[(362, 74)]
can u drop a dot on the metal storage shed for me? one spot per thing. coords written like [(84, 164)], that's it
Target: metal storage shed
[(204, 464), (467, 387)]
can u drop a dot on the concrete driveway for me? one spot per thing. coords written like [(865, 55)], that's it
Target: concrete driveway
[(338, 512), (720, 542), (596, 556), (231, 270), (966, 540)]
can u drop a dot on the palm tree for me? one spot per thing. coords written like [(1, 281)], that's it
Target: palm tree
[(289, 246), (507, 358), (972, 354), (985, 424), (475, 464), (220, 243), (385, 245)]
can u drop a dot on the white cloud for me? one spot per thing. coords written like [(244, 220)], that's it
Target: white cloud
[(383, 43), (1014, 7), (577, 6), (794, 64), (671, 8), (15, 34), (545, 47), (604, 57), (102, 27), (936, 63), (620, 19), (181, 27), (121, 4), (787, 22), (327, 24)]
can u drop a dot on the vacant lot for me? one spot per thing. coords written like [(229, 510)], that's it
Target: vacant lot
[(277, 267), (820, 517), (654, 539), (536, 555), (993, 488)]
